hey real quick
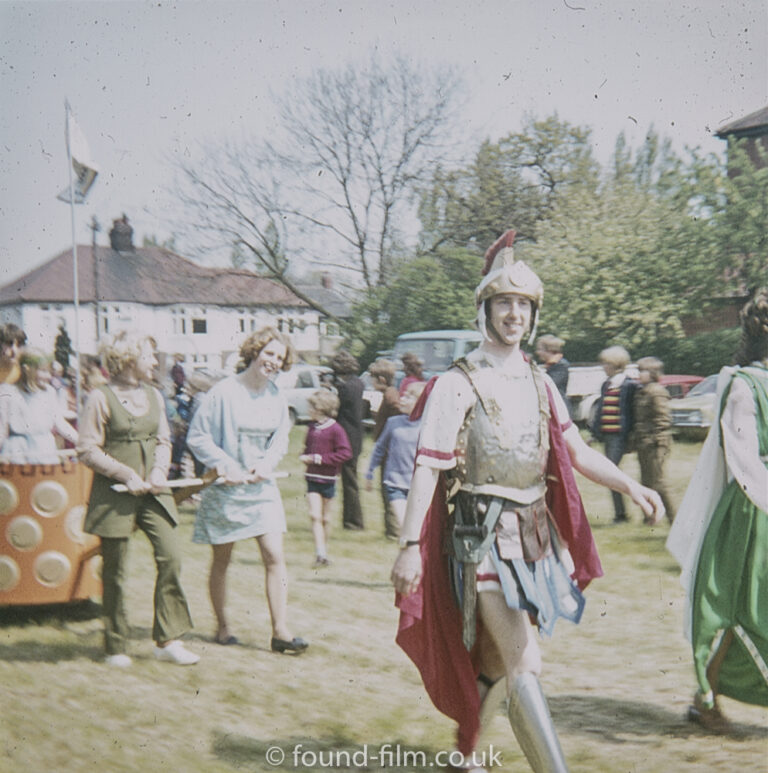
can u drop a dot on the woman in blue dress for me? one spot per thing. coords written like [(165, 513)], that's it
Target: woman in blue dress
[(241, 431)]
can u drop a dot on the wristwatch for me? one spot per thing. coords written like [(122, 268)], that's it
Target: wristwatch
[(407, 543)]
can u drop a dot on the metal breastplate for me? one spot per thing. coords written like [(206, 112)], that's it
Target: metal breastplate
[(504, 440)]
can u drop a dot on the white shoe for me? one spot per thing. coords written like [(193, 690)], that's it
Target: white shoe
[(176, 652), (121, 660)]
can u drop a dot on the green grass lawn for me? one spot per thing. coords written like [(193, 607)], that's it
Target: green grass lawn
[(619, 682)]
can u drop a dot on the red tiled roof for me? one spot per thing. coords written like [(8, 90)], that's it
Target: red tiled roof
[(151, 275), (747, 124)]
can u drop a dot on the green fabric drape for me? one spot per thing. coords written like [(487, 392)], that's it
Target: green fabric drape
[(731, 589)]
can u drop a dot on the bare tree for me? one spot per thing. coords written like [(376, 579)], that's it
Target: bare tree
[(231, 200), (338, 181)]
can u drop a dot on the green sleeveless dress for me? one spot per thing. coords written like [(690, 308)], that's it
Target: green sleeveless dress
[(731, 587), (131, 440)]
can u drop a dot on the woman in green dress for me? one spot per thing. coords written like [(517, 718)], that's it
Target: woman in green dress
[(725, 563), (124, 438)]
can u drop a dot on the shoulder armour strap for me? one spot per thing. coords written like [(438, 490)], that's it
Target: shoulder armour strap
[(544, 409), (469, 369)]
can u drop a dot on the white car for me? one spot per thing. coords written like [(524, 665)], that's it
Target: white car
[(693, 414), (298, 383)]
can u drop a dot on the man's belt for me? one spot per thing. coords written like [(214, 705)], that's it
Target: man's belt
[(474, 528)]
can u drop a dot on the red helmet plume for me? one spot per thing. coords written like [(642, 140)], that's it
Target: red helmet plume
[(505, 240)]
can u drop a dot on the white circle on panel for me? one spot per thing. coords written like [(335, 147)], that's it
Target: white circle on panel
[(9, 497), (49, 498), (24, 533), (10, 574), (52, 568), (73, 524)]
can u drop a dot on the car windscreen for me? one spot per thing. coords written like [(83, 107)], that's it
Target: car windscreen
[(435, 353), (706, 387)]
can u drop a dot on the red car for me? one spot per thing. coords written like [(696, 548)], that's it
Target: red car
[(679, 386)]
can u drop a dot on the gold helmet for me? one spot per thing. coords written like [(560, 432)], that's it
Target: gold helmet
[(502, 274)]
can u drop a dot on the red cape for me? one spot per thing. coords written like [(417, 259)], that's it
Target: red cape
[(430, 621)]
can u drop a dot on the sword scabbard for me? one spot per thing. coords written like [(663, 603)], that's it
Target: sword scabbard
[(469, 604)]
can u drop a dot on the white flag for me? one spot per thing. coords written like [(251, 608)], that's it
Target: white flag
[(85, 169)]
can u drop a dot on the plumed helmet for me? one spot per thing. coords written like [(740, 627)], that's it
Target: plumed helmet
[(503, 274)]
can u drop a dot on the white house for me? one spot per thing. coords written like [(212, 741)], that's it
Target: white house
[(202, 313)]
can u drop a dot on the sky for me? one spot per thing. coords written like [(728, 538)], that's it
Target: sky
[(149, 81)]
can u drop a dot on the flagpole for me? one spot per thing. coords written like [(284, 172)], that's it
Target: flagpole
[(75, 285)]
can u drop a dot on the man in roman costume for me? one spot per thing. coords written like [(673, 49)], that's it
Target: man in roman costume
[(494, 480)]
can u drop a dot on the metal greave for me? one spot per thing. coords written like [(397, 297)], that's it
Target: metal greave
[(532, 725)]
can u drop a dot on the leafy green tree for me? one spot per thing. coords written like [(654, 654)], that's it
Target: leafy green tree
[(470, 207), (512, 183), (627, 262), (742, 222), (556, 153), (430, 292)]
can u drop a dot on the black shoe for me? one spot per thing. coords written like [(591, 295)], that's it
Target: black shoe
[(296, 645), (621, 519)]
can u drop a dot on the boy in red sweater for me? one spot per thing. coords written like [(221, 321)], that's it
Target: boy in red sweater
[(326, 449)]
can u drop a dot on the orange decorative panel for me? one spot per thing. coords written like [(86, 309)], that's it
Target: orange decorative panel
[(45, 557)]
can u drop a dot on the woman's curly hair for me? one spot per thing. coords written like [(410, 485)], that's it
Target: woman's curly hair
[(252, 346), (754, 328), (123, 350)]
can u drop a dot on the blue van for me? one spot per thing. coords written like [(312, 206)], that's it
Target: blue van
[(437, 349)]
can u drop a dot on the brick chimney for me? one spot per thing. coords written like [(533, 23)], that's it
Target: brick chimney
[(121, 235)]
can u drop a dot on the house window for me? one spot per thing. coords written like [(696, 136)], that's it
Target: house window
[(242, 325), (180, 319), (199, 326)]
